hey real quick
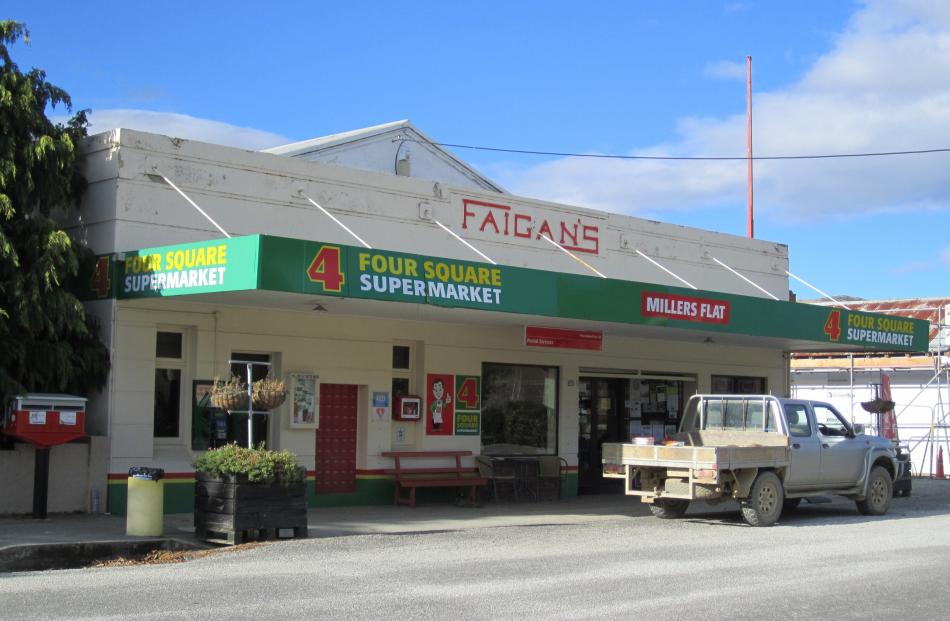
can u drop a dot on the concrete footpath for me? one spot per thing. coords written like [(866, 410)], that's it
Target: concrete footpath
[(23, 537), (91, 535)]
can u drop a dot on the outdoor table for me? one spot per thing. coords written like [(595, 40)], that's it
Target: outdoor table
[(525, 469)]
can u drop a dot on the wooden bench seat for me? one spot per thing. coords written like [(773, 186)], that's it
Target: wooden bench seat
[(413, 476)]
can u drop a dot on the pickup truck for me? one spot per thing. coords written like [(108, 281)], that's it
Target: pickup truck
[(767, 453)]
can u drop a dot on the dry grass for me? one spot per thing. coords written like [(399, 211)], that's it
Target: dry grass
[(162, 557)]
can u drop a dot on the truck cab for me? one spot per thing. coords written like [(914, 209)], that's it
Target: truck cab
[(825, 451)]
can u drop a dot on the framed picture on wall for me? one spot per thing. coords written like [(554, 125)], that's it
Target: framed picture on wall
[(305, 400)]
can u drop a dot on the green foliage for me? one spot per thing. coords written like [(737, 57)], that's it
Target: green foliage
[(49, 344), (259, 465)]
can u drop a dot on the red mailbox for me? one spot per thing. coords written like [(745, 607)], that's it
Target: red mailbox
[(46, 420)]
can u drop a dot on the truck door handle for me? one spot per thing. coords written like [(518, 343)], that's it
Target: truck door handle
[(796, 445), (824, 446)]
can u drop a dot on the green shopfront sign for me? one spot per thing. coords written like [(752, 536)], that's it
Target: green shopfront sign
[(297, 266), (201, 267)]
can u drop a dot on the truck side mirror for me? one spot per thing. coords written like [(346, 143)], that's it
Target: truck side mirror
[(858, 430)]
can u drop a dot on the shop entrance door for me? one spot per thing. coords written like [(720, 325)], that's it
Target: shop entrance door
[(336, 440), (600, 413)]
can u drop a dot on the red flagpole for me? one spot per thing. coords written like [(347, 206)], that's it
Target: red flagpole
[(750, 223)]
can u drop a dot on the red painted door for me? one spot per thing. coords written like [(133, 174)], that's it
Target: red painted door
[(336, 439)]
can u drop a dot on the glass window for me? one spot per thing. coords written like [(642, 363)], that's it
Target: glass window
[(771, 422), (753, 415), (713, 415), (519, 409), (739, 414), (258, 371), (738, 385), (829, 422), (168, 345), (401, 357), (237, 422), (402, 371), (167, 403), (400, 387), (734, 414), (797, 419)]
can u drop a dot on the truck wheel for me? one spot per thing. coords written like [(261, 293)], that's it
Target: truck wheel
[(669, 508), (880, 493), (764, 504), (790, 504)]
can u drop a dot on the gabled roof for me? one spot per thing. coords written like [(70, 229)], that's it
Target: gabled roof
[(403, 129)]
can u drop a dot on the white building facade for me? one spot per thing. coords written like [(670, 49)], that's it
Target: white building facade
[(548, 329)]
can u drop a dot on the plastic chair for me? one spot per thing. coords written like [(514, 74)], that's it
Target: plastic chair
[(498, 474), (549, 474)]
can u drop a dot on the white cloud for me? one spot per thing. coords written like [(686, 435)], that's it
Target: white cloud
[(882, 87), (735, 7), (912, 267), (945, 257), (726, 69), (184, 126)]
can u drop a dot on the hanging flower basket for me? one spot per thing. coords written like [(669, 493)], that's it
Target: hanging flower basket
[(878, 406), (269, 393), (230, 395)]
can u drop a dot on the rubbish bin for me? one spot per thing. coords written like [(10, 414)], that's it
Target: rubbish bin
[(903, 484), (145, 506)]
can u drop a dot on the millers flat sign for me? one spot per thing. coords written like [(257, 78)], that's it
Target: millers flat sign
[(684, 307), (266, 263)]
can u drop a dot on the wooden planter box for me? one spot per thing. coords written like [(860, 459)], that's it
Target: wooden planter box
[(231, 510)]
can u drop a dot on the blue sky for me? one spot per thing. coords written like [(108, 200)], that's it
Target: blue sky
[(661, 78)]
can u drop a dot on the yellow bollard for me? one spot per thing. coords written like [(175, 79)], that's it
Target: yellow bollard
[(145, 508)]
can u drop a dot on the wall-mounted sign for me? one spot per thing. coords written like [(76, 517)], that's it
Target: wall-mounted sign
[(440, 404), (305, 393), (537, 336), (381, 404), (484, 219), (468, 405), (267, 263), (202, 267), (684, 308)]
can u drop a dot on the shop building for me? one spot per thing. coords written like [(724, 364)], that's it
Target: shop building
[(523, 327)]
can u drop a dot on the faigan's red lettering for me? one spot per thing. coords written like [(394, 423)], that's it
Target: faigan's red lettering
[(514, 221)]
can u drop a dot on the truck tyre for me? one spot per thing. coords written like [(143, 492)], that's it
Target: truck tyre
[(764, 504), (880, 493), (790, 504), (669, 508)]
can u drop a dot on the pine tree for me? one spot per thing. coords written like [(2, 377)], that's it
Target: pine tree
[(47, 343)]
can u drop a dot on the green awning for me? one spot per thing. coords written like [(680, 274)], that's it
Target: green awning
[(265, 263)]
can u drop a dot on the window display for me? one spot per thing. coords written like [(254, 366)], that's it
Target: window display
[(519, 409)]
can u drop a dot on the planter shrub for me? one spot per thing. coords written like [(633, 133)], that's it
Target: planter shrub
[(242, 492)]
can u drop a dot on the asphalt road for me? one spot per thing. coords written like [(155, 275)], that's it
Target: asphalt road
[(823, 561)]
